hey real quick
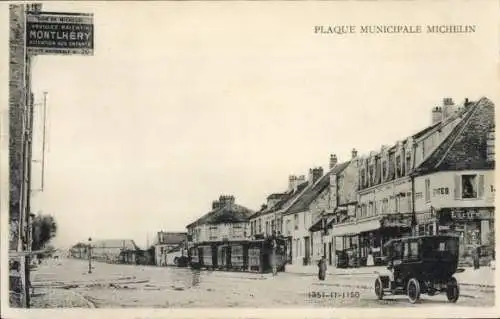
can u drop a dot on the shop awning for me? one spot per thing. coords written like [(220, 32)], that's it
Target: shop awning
[(319, 224), (355, 228)]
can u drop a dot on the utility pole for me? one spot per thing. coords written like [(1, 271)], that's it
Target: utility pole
[(28, 148), (90, 255)]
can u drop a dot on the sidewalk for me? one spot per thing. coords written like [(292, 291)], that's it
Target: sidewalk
[(483, 277)]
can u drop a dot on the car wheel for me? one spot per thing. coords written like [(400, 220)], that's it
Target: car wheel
[(413, 290), (379, 289), (176, 261), (452, 290)]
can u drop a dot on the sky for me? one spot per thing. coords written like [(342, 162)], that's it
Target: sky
[(182, 102)]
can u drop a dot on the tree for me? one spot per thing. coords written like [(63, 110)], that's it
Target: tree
[(44, 229)]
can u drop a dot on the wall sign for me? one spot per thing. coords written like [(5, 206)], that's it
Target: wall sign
[(60, 33)]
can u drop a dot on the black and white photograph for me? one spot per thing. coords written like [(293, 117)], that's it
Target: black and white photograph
[(288, 157)]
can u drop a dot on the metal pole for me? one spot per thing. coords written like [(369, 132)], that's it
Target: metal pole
[(43, 139)]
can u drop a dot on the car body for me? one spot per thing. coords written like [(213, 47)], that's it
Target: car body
[(420, 264)]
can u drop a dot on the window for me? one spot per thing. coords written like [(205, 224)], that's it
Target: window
[(398, 166), (392, 168), (370, 210), (469, 186), (296, 221), (396, 203), (273, 229), (237, 231), (212, 232), (384, 170), (385, 205), (427, 190), (413, 249), (408, 163), (260, 226), (267, 227), (377, 170), (362, 178), (251, 228), (372, 177)]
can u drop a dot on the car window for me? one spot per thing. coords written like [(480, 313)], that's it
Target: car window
[(406, 252), (414, 249), (397, 250), (442, 246)]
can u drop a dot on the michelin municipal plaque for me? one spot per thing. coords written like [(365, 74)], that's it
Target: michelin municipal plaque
[(278, 159)]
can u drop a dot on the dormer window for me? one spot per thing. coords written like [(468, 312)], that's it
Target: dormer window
[(398, 166)]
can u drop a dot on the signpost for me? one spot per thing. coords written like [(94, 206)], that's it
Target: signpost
[(45, 33), (60, 33)]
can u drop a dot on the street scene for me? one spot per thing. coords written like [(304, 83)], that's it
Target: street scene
[(172, 166), (66, 283)]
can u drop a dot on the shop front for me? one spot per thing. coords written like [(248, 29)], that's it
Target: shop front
[(360, 243), (472, 225)]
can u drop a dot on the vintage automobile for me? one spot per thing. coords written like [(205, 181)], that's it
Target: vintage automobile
[(420, 265)]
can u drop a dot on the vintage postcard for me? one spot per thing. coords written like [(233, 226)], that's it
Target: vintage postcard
[(272, 159)]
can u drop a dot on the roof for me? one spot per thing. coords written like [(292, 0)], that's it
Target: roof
[(425, 130), (172, 238), (313, 191), (286, 199), (389, 242), (128, 244), (276, 195), (231, 213), (465, 147)]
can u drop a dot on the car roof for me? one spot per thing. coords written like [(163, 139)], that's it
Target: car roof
[(419, 237)]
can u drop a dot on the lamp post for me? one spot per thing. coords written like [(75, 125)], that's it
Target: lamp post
[(90, 255)]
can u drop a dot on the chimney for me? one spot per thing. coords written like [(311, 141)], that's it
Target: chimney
[(449, 108), (226, 200), (292, 181), (215, 205), (354, 153), (333, 160), (437, 114), (315, 174)]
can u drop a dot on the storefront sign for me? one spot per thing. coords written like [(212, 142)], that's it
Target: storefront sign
[(470, 214), (60, 33)]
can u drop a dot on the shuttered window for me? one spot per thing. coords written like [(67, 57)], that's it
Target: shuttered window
[(480, 186), (457, 187), (427, 190)]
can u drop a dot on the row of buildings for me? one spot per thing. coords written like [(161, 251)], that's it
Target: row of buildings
[(165, 248), (438, 180)]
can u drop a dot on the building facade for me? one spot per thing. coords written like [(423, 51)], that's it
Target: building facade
[(455, 187), (114, 250), (385, 196), (269, 220), (227, 221), (165, 242), (343, 188), (302, 212)]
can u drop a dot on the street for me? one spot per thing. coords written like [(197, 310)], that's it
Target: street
[(66, 283)]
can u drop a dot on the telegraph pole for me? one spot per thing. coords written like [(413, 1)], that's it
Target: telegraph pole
[(28, 148), (90, 255)]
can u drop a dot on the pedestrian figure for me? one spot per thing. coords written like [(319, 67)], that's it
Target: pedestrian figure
[(477, 253), (322, 268), (369, 259)]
